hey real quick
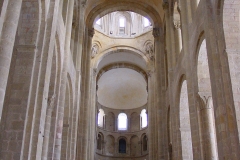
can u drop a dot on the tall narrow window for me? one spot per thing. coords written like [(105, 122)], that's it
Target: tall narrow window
[(143, 118), (122, 121), (122, 145), (100, 118), (122, 25), (144, 143), (121, 22), (99, 142)]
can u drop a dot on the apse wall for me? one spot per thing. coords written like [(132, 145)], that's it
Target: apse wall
[(114, 143), (122, 88)]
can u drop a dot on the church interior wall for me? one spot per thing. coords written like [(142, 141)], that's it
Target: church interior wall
[(49, 78)]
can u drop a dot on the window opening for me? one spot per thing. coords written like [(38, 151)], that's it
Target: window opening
[(101, 118), (122, 25), (99, 142), (144, 143), (146, 22), (143, 118), (122, 121), (121, 22), (122, 146)]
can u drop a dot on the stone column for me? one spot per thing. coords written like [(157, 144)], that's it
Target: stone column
[(178, 37), (224, 110), (7, 40), (59, 123), (129, 123), (208, 126), (116, 122), (79, 97), (92, 109), (169, 37), (170, 46), (104, 147), (85, 128), (194, 4), (152, 108), (47, 127), (159, 95), (184, 25)]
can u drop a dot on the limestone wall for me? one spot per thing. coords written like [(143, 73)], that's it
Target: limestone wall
[(110, 136)]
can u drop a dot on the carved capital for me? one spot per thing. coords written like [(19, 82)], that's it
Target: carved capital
[(149, 50), (94, 50), (94, 72), (205, 97), (91, 32), (149, 73), (165, 5), (83, 3), (156, 32), (177, 24)]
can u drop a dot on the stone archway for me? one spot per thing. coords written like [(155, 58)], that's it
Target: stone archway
[(231, 28)]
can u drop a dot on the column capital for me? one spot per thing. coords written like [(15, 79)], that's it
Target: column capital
[(177, 24), (149, 73), (83, 3), (165, 5), (91, 32), (156, 32), (94, 72), (205, 97)]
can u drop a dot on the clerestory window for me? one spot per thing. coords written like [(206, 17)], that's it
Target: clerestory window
[(122, 121), (144, 120), (122, 25), (101, 118)]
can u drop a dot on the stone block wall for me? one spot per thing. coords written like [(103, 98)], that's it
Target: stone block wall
[(110, 136)]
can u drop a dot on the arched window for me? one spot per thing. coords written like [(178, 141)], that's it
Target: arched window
[(143, 118), (144, 143), (99, 142), (122, 121), (122, 25), (122, 145), (101, 118), (146, 22)]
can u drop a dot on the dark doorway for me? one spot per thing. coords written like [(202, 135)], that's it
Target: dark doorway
[(122, 146)]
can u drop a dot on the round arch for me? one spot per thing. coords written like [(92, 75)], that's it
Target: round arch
[(122, 65), (141, 8), (137, 53)]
